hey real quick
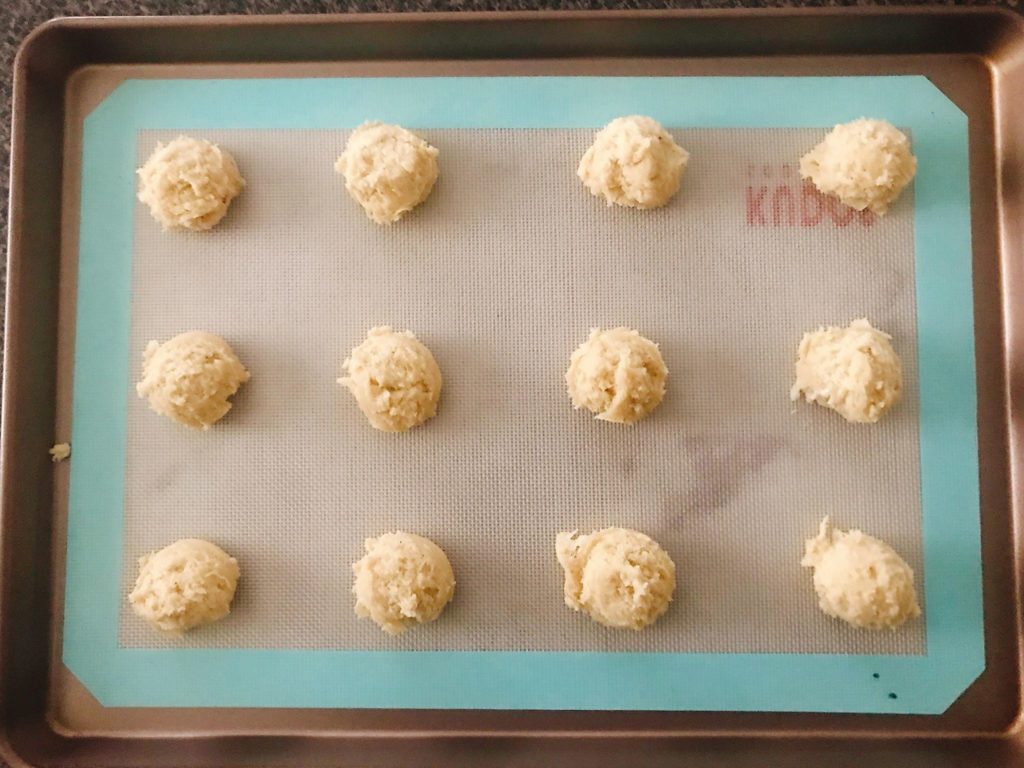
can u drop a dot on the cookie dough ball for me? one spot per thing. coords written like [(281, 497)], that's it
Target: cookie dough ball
[(388, 170), (633, 162), (402, 580), (60, 451), (188, 583), (622, 578), (190, 378), (617, 374), (189, 183), (853, 370), (860, 579), (394, 379), (866, 164)]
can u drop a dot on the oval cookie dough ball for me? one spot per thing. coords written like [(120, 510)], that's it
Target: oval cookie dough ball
[(189, 378), (860, 579), (622, 578), (189, 183), (388, 170), (865, 163), (188, 583), (402, 580), (394, 379), (853, 370), (617, 374), (633, 162)]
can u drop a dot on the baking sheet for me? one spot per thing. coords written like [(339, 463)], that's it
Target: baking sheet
[(975, 44), (501, 273)]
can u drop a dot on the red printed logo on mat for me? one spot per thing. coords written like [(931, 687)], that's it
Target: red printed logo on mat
[(778, 197)]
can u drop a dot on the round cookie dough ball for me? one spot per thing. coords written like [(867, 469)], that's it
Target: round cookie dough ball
[(189, 378), (188, 583), (854, 371), (402, 580), (189, 183), (633, 162), (622, 578), (617, 374), (865, 163), (394, 379), (860, 579), (388, 170)]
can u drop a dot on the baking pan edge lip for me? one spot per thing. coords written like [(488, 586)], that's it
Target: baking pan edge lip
[(9, 755), (36, 35), (696, 14), (26, 82)]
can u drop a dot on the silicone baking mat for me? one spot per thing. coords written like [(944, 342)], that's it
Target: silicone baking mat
[(502, 272)]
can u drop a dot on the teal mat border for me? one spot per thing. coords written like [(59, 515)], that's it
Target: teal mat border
[(536, 680)]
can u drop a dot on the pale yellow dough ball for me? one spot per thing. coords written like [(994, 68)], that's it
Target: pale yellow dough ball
[(621, 578), (402, 580), (617, 374), (860, 579), (189, 378), (633, 162), (185, 584), (853, 370), (189, 183), (394, 378), (388, 170), (864, 163)]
